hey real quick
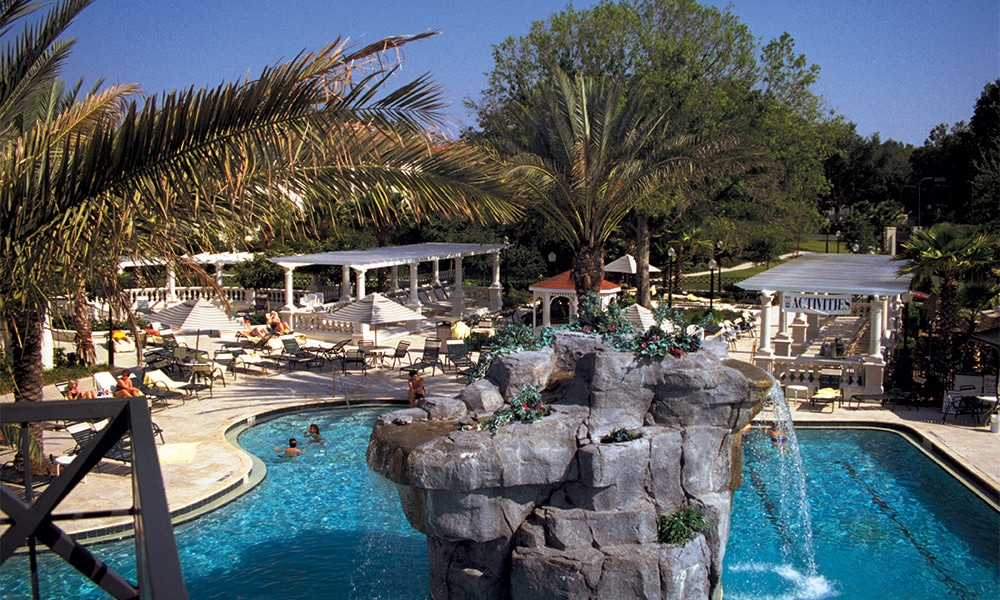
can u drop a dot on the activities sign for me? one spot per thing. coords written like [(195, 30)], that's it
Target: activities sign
[(816, 304)]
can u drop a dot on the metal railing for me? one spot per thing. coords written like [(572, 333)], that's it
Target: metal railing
[(158, 569)]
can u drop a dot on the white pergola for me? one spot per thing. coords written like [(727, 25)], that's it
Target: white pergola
[(813, 285), (361, 261), (216, 259)]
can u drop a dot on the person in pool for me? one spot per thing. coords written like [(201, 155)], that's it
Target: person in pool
[(313, 434), (778, 436), (292, 450)]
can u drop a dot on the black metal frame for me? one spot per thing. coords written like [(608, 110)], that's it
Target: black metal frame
[(158, 568)]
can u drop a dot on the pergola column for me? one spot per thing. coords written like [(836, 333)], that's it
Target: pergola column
[(435, 272), (359, 276), (496, 291), (414, 301), (873, 363), (884, 328), (875, 329), (394, 277), (782, 341), (458, 294), (218, 273), (171, 285), (289, 289), (765, 352), (546, 309), (345, 282)]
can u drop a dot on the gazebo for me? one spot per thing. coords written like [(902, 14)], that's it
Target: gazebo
[(815, 288), (561, 286)]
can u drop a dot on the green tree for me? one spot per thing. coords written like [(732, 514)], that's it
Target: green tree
[(715, 87), (948, 253), (584, 155)]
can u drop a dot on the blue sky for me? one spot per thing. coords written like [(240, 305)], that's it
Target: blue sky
[(895, 67)]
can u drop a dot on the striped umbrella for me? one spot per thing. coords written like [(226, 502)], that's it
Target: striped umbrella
[(626, 264), (196, 316), (375, 310)]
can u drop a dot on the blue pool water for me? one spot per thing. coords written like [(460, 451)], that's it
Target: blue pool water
[(887, 522), (319, 526)]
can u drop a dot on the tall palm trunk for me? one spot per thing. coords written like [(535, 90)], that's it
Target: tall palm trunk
[(642, 242), (588, 267), (25, 328), (946, 320), (84, 332)]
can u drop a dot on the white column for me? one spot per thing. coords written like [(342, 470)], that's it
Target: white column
[(345, 282), (414, 301), (765, 323), (546, 310), (359, 276), (884, 326), (496, 295), (218, 274), (875, 333), (435, 272), (289, 289), (394, 278), (457, 294), (171, 285)]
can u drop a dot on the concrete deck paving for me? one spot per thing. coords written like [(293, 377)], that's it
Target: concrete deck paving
[(200, 464)]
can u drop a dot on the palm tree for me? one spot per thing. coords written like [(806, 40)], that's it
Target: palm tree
[(584, 154), (115, 176), (946, 252)]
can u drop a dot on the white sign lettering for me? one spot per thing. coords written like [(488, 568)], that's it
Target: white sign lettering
[(817, 305)]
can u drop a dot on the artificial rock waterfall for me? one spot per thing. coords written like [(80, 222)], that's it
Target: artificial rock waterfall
[(546, 509)]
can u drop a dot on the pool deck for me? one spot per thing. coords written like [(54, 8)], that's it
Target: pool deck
[(202, 468)]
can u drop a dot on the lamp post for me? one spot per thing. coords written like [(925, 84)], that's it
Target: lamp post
[(671, 253), (711, 283), (920, 205), (826, 232), (838, 241), (718, 262)]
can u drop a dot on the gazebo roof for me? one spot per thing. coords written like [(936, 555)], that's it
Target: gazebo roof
[(388, 256), (876, 274), (563, 282)]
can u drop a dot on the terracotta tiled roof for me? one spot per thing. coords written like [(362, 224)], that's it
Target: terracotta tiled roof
[(563, 282)]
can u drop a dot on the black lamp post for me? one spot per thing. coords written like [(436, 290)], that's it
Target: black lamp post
[(826, 232), (711, 283), (718, 262), (671, 254), (838, 241)]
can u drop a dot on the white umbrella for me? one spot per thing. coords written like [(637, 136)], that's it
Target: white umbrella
[(626, 264), (375, 310), (639, 316), (196, 315)]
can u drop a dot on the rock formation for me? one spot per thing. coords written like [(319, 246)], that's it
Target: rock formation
[(546, 509)]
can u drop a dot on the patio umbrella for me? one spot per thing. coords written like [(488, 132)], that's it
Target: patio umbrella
[(626, 264), (375, 310), (196, 316), (639, 316)]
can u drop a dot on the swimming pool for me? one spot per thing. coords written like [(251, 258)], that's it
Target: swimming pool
[(319, 526), (887, 523), (323, 526)]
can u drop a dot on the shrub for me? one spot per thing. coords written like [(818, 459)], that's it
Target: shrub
[(526, 405), (621, 435), (682, 526)]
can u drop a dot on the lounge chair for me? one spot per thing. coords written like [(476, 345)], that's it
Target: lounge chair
[(292, 354), (84, 433), (829, 388), (159, 380)]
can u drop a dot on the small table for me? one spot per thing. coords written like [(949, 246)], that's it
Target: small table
[(375, 355), (793, 391)]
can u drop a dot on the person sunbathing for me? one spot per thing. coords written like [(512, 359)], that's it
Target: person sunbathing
[(276, 325), (73, 391), (251, 331), (126, 389)]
